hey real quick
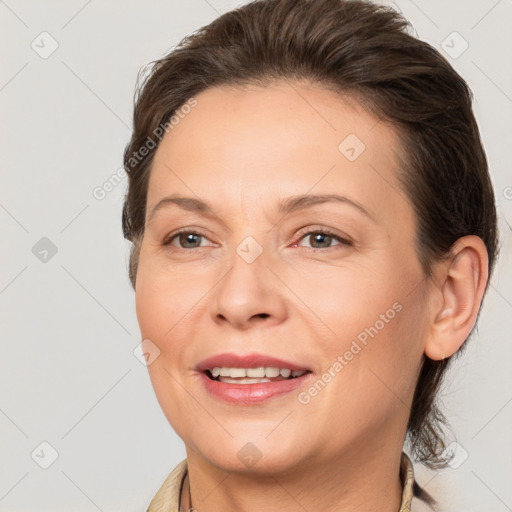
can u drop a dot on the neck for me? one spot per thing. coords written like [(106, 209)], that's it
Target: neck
[(362, 481)]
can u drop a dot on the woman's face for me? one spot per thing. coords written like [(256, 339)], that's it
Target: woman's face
[(333, 287)]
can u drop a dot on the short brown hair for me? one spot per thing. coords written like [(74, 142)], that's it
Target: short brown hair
[(364, 51)]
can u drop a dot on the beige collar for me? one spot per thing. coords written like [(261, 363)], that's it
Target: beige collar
[(167, 499)]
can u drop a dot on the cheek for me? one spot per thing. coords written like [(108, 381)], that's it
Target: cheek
[(389, 350), (171, 303), (344, 301), (162, 304), (163, 298), (370, 323)]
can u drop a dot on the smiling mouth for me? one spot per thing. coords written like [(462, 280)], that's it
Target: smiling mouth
[(257, 375)]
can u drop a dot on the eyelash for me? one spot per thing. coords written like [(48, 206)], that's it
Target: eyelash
[(322, 231), (328, 232)]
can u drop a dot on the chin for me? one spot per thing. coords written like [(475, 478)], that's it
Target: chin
[(241, 455)]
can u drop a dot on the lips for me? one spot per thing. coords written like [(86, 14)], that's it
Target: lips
[(240, 390), (253, 360)]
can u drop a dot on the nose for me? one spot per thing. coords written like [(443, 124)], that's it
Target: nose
[(248, 294)]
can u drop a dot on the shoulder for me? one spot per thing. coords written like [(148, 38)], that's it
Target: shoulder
[(167, 498)]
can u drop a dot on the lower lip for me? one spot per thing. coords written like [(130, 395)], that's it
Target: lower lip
[(252, 393)]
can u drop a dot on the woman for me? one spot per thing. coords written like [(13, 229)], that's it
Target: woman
[(313, 229)]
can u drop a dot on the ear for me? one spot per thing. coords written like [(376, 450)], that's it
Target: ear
[(460, 284)]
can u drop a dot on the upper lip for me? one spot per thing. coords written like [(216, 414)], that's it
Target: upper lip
[(253, 360)]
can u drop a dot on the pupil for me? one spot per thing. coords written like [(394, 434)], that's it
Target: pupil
[(186, 238), (320, 236)]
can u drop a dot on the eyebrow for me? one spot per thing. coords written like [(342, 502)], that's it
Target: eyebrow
[(286, 206)]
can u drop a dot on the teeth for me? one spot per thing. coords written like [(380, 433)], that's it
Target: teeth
[(253, 373), (243, 381), (236, 372), (271, 371)]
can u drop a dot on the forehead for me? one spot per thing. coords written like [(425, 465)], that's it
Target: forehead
[(288, 137), (297, 112)]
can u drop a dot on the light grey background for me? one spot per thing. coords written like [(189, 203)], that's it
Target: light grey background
[(69, 376)]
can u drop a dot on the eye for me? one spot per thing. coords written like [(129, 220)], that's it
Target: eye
[(185, 240), (320, 239), (323, 238)]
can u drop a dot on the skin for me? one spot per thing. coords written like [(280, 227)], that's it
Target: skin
[(242, 150)]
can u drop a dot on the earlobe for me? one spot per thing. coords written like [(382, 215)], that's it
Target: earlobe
[(461, 283)]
